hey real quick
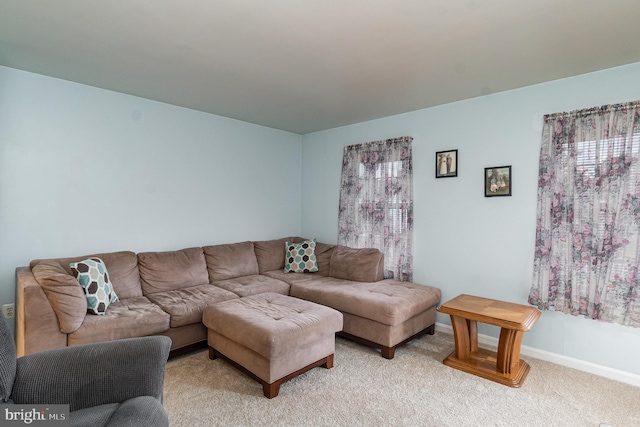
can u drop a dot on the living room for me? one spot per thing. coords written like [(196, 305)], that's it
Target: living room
[(89, 170)]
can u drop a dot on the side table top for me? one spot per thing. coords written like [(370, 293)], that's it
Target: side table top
[(494, 312)]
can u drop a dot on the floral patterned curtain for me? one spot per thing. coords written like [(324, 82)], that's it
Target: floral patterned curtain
[(376, 202), (588, 229)]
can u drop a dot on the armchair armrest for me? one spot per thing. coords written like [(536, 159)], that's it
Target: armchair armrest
[(93, 374)]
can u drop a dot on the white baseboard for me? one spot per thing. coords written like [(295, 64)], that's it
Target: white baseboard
[(581, 365)]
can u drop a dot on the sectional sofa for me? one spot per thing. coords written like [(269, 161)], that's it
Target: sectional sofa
[(165, 293)]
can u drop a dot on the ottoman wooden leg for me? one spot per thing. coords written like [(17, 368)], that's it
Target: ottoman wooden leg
[(329, 362), (387, 352), (271, 390)]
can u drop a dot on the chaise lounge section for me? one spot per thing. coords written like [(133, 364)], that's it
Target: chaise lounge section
[(166, 293)]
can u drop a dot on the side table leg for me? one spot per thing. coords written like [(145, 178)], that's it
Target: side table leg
[(508, 357), (461, 337), (473, 335)]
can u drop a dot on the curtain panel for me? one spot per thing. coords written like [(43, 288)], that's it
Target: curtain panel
[(588, 217), (376, 202)]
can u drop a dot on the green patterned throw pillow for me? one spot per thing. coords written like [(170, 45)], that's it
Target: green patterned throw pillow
[(94, 279), (301, 257)]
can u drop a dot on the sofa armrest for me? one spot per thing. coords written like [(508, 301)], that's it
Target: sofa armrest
[(88, 375), (37, 326)]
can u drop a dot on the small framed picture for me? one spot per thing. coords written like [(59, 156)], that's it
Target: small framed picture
[(446, 164), (497, 181)]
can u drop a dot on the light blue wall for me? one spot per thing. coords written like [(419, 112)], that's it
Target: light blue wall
[(85, 170), (464, 242)]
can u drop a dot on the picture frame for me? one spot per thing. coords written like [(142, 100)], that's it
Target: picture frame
[(498, 181), (447, 164)]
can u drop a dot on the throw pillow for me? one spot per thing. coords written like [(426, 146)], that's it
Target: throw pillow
[(94, 279), (300, 257)]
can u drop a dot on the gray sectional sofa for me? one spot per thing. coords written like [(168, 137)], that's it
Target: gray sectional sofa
[(165, 293)]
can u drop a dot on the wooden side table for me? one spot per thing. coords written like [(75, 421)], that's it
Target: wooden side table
[(503, 366)]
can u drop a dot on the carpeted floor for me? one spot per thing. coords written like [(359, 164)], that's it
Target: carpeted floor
[(413, 389)]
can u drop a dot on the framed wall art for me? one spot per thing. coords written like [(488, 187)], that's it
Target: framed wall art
[(446, 164), (497, 181)]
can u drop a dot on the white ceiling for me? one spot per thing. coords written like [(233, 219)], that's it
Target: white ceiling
[(309, 65)]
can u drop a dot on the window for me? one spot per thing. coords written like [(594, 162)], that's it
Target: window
[(376, 202), (588, 226)]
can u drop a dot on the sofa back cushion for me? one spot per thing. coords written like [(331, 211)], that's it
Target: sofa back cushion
[(122, 267), (166, 271), (362, 265), (66, 296), (323, 256), (230, 261), (270, 253)]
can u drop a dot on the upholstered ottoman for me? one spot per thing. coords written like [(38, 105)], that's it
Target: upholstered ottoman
[(272, 337)]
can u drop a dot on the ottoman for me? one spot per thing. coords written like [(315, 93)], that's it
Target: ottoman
[(272, 337)]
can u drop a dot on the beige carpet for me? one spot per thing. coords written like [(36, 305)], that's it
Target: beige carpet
[(413, 389)]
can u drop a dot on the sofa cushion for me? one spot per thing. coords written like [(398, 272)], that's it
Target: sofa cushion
[(252, 285), (323, 256), (389, 302), (185, 305), (64, 293), (362, 265), (300, 257), (270, 253), (230, 261), (123, 270), (291, 278), (166, 271), (131, 317), (93, 277)]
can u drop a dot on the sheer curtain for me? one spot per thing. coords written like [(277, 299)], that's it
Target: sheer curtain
[(376, 202), (587, 237)]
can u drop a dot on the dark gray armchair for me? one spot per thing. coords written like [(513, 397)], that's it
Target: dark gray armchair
[(116, 383)]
